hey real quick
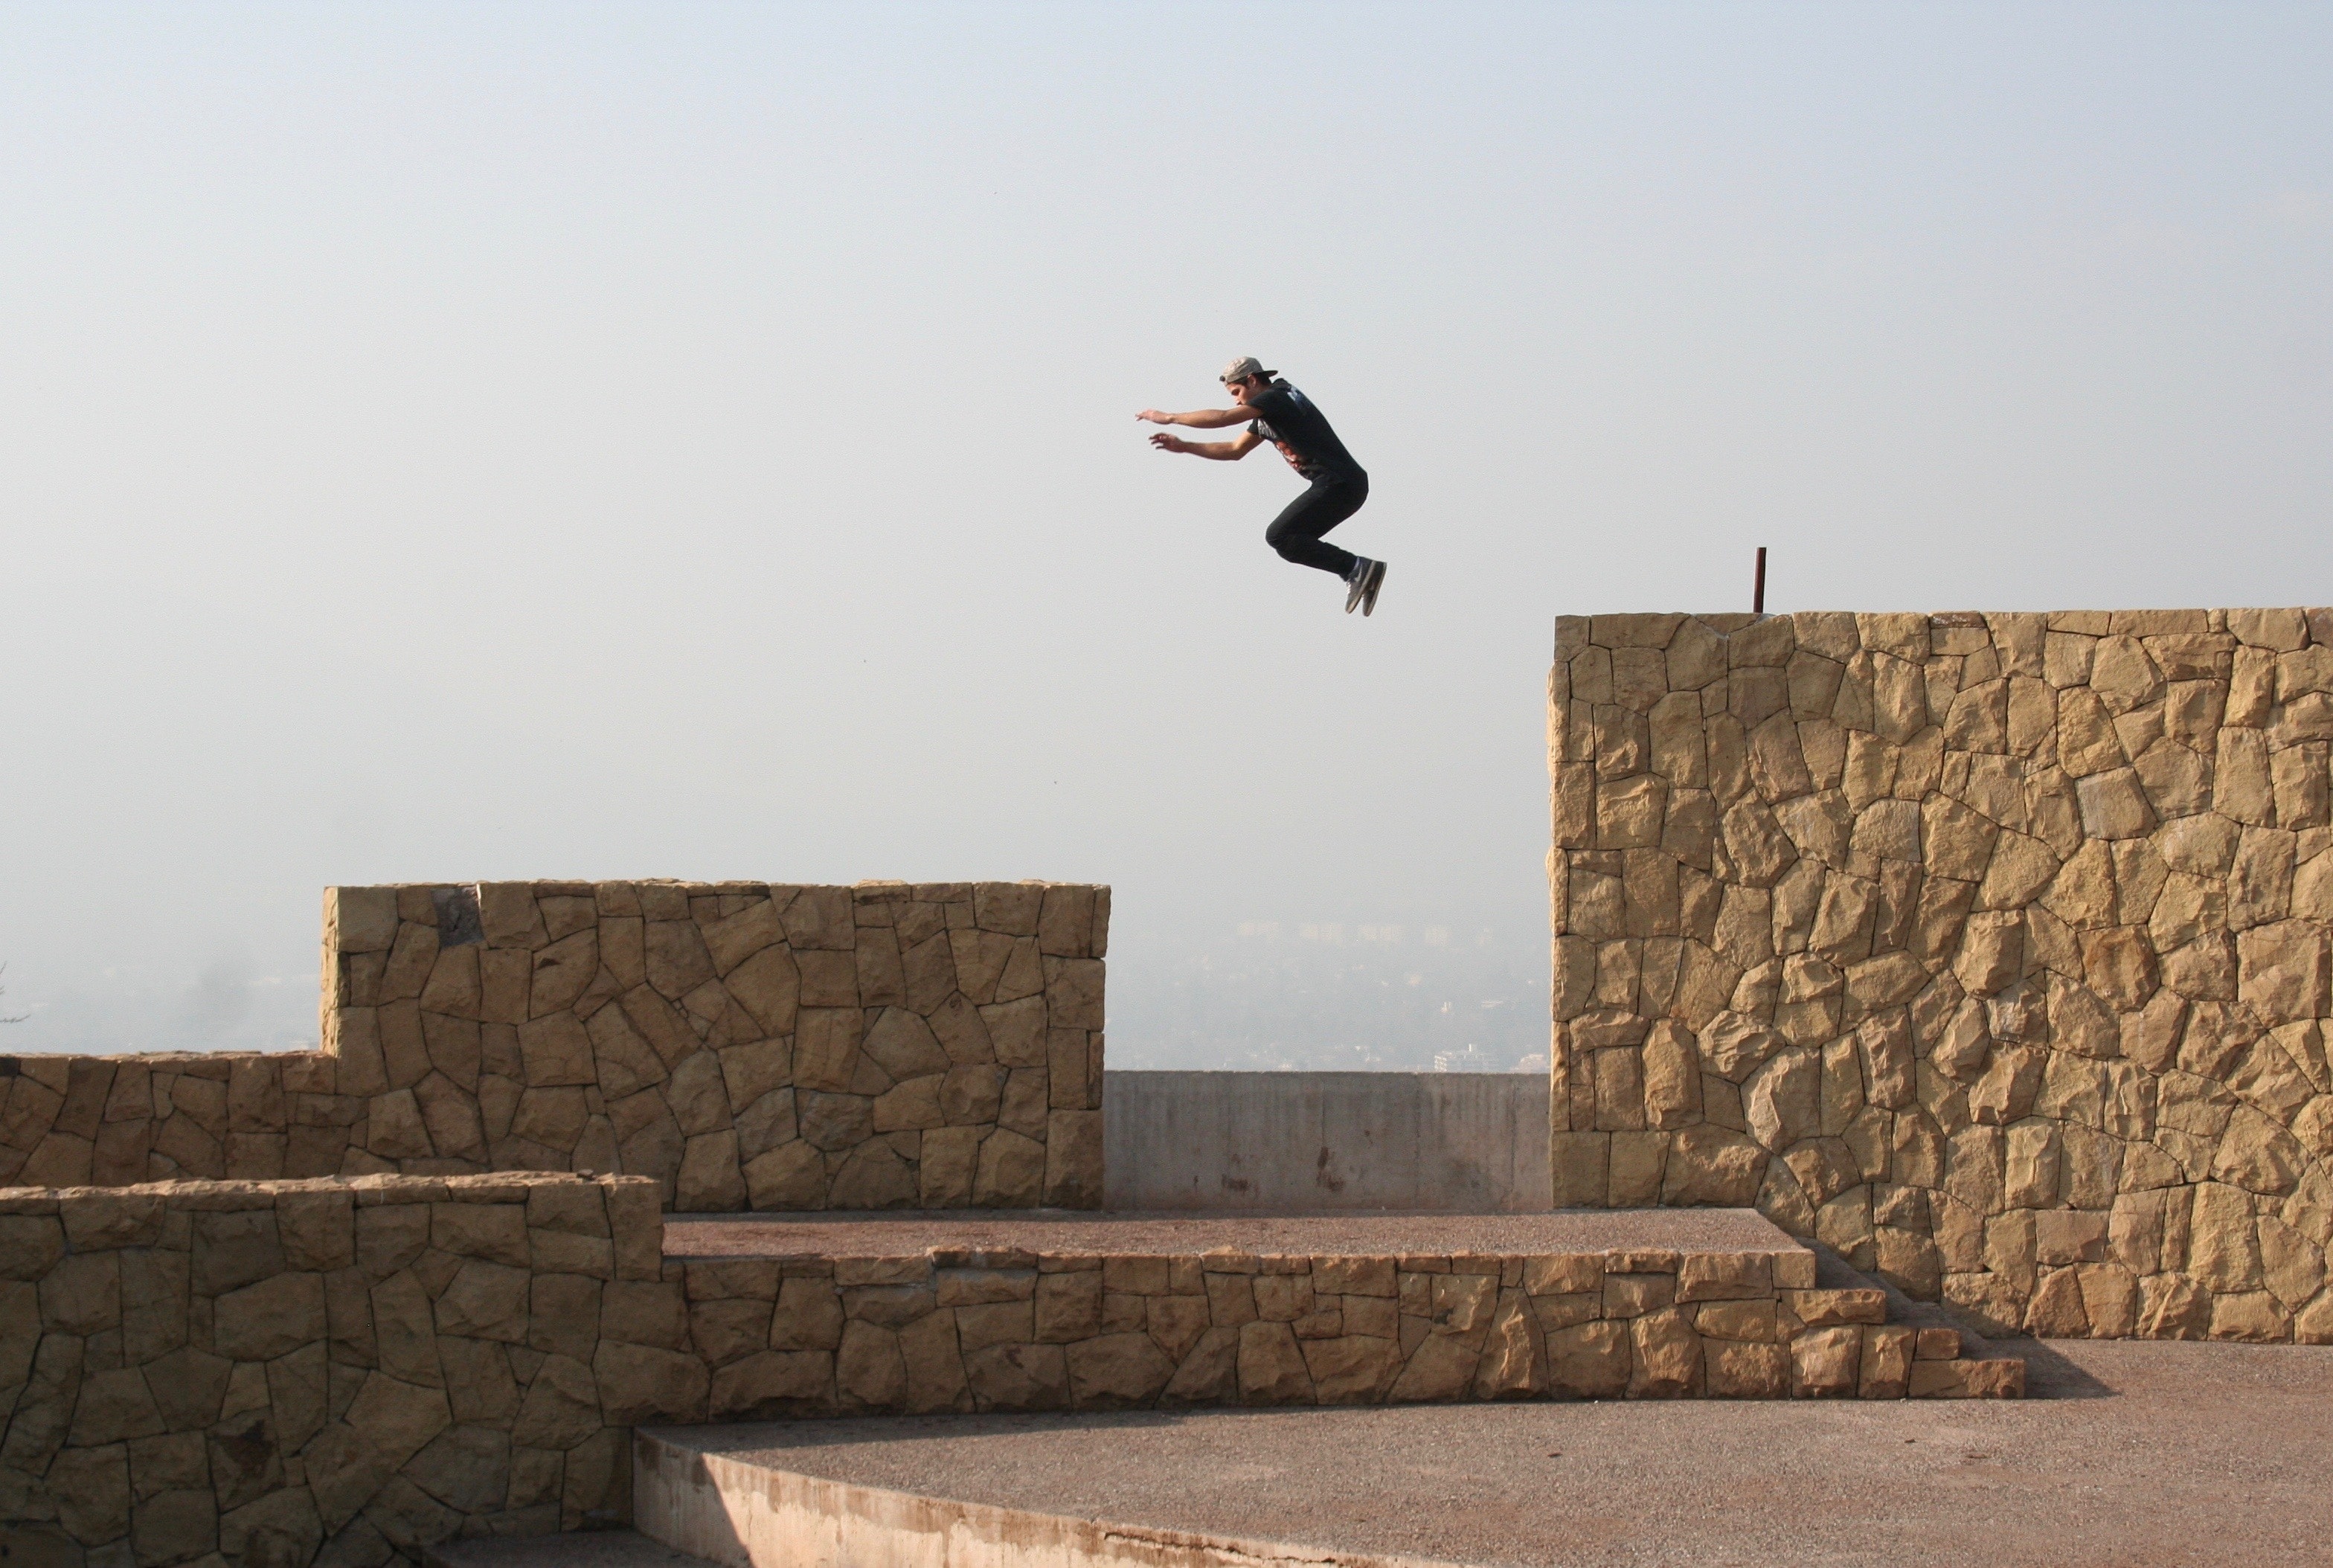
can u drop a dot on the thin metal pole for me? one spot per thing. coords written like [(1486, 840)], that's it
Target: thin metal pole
[(1758, 594)]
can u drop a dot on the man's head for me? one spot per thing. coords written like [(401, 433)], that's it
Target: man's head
[(1245, 377)]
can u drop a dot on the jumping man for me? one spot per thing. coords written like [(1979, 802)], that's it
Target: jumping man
[(1276, 412)]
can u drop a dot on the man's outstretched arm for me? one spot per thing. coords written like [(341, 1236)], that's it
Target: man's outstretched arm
[(1231, 451), (1200, 418)]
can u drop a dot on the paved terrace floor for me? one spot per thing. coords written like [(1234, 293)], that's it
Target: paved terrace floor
[(2136, 1455), (846, 1234)]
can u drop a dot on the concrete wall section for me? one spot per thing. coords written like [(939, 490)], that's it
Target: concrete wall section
[(1449, 1141), (1989, 949)]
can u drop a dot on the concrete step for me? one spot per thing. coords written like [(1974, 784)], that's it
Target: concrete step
[(583, 1549), (714, 1491), (2056, 1483)]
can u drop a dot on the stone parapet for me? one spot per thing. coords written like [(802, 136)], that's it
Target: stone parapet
[(1989, 949), (747, 1045), (118, 1120)]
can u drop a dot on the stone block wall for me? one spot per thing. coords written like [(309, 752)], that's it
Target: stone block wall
[(348, 1371), (747, 1045), (990, 1330), (1990, 949), (116, 1121), (279, 1374)]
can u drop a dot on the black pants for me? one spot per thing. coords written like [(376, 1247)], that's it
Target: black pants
[(1296, 532)]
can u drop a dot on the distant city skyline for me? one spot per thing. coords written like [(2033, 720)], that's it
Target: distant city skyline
[(1324, 994), (1333, 933)]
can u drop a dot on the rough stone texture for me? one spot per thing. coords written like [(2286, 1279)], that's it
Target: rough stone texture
[(1110, 1312), (1990, 950), (351, 1370), (747, 1045), (345, 1372)]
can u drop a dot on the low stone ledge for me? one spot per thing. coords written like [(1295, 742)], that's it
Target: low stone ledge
[(860, 1314)]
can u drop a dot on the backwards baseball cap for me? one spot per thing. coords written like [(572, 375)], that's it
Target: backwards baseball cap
[(1247, 365)]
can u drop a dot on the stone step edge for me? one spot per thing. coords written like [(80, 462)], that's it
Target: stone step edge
[(1950, 1359), (738, 1513), (1632, 1259)]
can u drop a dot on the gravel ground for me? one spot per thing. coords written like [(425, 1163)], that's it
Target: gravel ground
[(1319, 1235), (2129, 1454)]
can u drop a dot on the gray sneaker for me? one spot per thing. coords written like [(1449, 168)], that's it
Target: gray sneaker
[(1372, 579), (1357, 584)]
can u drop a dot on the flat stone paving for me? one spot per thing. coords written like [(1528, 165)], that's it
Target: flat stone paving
[(2131, 1454), (898, 1233)]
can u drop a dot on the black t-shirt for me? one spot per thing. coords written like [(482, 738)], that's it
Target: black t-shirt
[(1294, 423)]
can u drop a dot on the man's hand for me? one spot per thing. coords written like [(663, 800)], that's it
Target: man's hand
[(1155, 417), (1165, 443)]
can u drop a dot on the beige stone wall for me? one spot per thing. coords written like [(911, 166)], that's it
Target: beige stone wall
[(272, 1371), (348, 1371), (747, 1044), (115, 1121), (1989, 949), (1068, 1331)]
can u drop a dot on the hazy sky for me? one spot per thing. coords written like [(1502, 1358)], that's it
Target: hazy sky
[(491, 441)]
